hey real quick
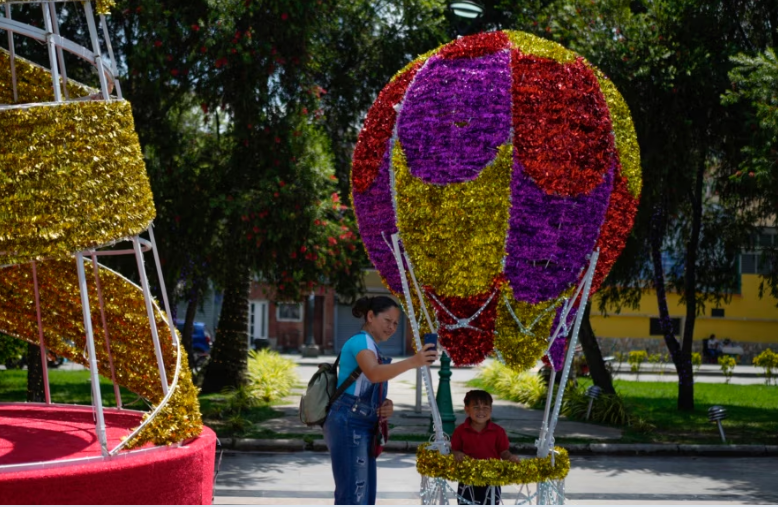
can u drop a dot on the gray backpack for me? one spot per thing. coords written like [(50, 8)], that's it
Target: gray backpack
[(322, 391)]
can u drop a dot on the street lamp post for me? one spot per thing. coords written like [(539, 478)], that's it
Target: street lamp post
[(310, 349), (466, 15)]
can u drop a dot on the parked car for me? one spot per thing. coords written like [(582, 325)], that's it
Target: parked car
[(201, 343)]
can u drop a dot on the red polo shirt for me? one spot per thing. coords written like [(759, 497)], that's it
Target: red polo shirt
[(488, 443)]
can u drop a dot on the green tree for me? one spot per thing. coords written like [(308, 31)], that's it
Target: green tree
[(670, 60), (754, 84)]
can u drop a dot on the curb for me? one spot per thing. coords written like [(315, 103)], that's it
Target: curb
[(409, 447)]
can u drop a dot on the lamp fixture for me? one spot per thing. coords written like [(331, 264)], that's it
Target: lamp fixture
[(466, 9)]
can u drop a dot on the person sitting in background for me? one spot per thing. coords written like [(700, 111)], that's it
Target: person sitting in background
[(714, 347)]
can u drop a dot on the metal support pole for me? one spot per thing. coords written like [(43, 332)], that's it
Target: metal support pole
[(52, 52), (417, 408), (545, 448), (114, 67), (440, 443), (12, 52), (97, 398), (150, 311), (162, 288), (44, 363), (90, 21), (60, 55), (116, 391)]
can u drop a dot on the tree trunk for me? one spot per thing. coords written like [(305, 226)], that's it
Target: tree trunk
[(35, 391), (683, 365), (186, 333), (686, 389), (227, 367), (591, 349)]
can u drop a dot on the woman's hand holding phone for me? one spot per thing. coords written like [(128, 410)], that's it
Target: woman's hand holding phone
[(427, 355)]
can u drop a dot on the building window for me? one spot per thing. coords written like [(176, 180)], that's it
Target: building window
[(289, 312), (656, 330), (717, 312)]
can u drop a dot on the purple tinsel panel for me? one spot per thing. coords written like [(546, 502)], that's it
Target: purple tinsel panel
[(549, 236), (455, 116), (556, 353), (378, 220)]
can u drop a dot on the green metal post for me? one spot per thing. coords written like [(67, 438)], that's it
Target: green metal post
[(443, 397)]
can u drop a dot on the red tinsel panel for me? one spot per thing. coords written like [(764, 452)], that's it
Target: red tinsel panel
[(561, 123), (374, 138), (464, 345), (481, 44), (619, 218)]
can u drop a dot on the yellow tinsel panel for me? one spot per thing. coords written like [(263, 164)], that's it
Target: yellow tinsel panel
[(494, 472), (72, 177), (463, 223), (521, 350), (624, 132), (129, 332), (33, 82), (534, 45)]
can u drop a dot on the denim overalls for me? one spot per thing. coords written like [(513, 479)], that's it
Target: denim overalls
[(349, 431)]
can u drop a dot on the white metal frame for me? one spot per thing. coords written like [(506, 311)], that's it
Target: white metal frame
[(437, 491), (50, 36)]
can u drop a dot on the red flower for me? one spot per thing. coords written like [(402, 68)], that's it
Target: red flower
[(281, 183), (275, 194), (332, 241), (303, 249), (335, 197), (293, 255), (751, 174), (278, 139), (169, 58), (203, 49), (196, 28), (256, 229), (204, 107), (284, 16), (305, 110), (157, 43), (174, 72), (221, 62)]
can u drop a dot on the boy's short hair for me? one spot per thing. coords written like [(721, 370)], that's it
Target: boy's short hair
[(478, 395)]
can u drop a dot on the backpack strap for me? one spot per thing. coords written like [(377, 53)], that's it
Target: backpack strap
[(346, 383)]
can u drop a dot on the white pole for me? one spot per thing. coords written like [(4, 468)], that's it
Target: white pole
[(52, 52), (44, 363), (90, 21), (60, 55), (114, 67), (546, 445), (116, 392), (150, 311), (440, 442), (12, 52), (162, 286), (97, 398)]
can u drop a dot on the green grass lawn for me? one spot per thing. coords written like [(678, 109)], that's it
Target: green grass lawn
[(66, 386), (752, 412)]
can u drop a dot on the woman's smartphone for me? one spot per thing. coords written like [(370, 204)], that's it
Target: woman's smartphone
[(431, 338)]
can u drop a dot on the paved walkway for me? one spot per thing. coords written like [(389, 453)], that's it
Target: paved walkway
[(409, 419)]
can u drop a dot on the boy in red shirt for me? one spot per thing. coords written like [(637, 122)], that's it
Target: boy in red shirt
[(478, 437)]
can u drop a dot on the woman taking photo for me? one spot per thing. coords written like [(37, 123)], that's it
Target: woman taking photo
[(352, 421)]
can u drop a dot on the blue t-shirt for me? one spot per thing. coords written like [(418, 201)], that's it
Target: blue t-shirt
[(348, 361)]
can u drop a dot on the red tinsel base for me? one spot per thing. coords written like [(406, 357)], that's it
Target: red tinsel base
[(34, 432), (471, 344)]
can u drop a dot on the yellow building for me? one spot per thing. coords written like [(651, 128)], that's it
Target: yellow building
[(747, 320)]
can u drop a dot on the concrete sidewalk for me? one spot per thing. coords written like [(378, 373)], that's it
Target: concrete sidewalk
[(521, 424)]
